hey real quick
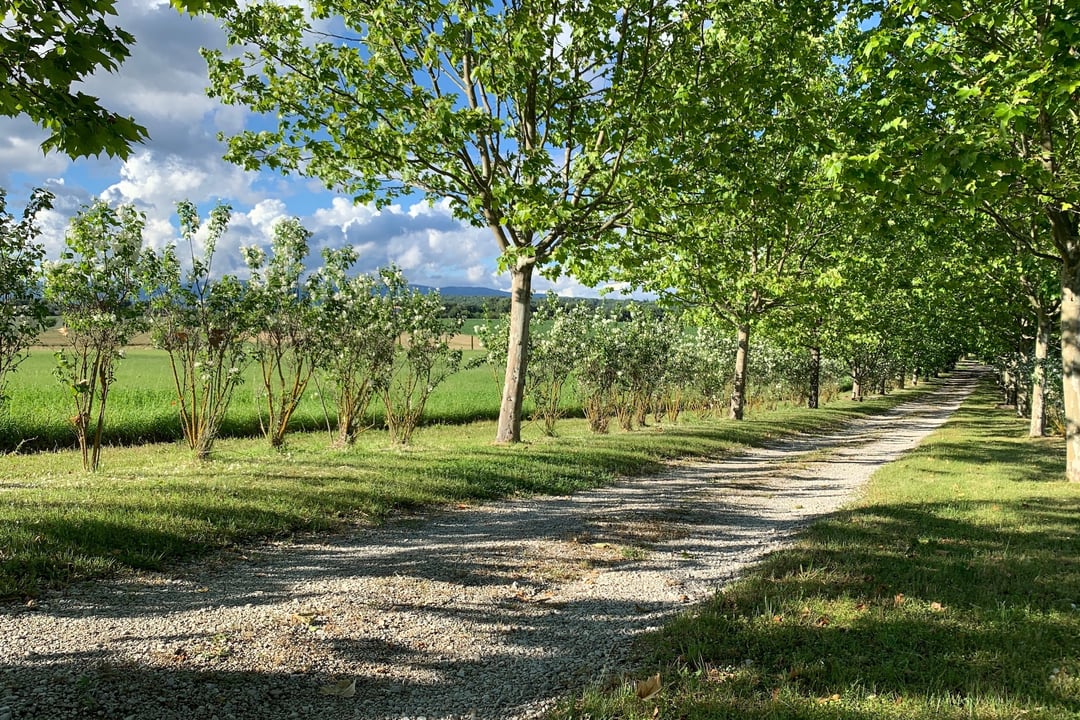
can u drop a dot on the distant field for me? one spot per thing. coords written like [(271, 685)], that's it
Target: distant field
[(52, 339), (142, 403)]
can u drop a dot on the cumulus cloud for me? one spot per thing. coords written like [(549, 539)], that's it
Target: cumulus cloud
[(162, 85), (20, 153), (426, 241)]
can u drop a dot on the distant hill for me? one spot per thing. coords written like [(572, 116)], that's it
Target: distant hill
[(463, 291)]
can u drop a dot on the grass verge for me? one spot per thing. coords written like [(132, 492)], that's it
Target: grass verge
[(951, 590), (152, 505)]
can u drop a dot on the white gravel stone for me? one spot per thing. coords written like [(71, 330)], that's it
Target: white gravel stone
[(485, 612)]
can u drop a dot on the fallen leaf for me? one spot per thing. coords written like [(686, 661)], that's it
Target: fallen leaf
[(860, 606), (823, 621), (602, 545), (898, 599), (778, 619), (303, 618), (648, 688), (342, 688), (937, 607)]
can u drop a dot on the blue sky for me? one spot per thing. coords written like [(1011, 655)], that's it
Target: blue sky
[(162, 86)]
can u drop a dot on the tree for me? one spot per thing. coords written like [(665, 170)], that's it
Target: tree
[(23, 313), (96, 287), (202, 321), (48, 46), (979, 105), (737, 202), (288, 344), (521, 113)]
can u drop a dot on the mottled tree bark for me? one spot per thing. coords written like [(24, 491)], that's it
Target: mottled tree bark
[(742, 359), (517, 355)]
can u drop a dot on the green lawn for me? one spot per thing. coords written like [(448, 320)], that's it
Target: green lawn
[(952, 590), (153, 505)]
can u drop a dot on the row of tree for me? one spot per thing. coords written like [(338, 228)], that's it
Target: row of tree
[(369, 336), (858, 173), (365, 336)]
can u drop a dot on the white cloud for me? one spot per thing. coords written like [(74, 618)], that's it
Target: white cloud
[(20, 151), (155, 184), (266, 213)]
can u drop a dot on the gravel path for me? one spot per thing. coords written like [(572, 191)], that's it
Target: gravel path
[(480, 612)]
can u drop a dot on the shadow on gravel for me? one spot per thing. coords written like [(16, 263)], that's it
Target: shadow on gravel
[(188, 685)]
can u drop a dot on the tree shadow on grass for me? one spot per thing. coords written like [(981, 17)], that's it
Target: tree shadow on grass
[(917, 603)]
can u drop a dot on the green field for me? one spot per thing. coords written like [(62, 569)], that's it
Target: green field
[(142, 404)]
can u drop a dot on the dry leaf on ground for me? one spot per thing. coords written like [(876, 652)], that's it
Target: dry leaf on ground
[(648, 688), (342, 688)]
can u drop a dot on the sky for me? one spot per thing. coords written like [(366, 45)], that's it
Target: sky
[(162, 86)]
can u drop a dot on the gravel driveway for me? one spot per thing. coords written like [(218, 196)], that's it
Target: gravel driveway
[(485, 612)]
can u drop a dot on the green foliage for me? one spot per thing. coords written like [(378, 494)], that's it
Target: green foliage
[(203, 322), (96, 287), (23, 314), (288, 344), (423, 361), (48, 46), (360, 335)]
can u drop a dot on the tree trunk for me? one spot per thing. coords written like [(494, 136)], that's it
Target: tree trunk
[(856, 389), (1070, 366), (517, 354), (1038, 376), (815, 378), (1009, 382), (742, 358), (901, 379)]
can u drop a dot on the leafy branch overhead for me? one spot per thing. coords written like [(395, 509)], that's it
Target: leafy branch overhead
[(47, 47)]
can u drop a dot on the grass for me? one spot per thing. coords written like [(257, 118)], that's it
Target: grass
[(951, 590), (142, 404), (152, 506)]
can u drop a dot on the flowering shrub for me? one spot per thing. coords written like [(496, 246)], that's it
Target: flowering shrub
[(96, 288), (424, 358), (23, 313), (202, 322), (288, 344), (359, 333), (555, 347)]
